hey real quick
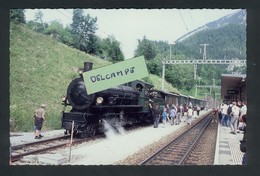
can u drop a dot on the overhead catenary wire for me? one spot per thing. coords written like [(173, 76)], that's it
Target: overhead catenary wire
[(63, 14), (188, 32), (192, 40)]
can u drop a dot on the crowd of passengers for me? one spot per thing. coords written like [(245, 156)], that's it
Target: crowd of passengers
[(175, 114), (233, 115)]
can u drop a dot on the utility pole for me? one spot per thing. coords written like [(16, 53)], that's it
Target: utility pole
[(163, 74), (204, 50), (170, 51), (204, 58), (195, 65), (196, 90), (163, 62), (213, 85), (195, 71), (173, 43)]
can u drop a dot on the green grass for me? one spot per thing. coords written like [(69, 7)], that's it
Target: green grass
[(157, 82), (40, 71)]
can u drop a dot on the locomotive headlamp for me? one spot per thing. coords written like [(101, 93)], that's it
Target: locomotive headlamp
[(99, 100), (63, 98), (80, 71)]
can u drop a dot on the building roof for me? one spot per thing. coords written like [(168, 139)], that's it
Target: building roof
[(233, 84)]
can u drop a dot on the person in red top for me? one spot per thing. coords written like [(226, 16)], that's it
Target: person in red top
[(215, 114)]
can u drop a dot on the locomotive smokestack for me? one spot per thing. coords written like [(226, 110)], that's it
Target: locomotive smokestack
[(87, 66)]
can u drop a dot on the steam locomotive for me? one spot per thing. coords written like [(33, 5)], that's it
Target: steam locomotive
[(120, 106)]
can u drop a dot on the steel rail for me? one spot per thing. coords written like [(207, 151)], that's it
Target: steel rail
[(176, 139)]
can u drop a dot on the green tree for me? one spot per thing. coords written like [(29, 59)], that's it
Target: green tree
[(155, 66), (146, 48), (180, 76), (67, 37), (37, 24), (54, 29), (112, 49), (38, 16), (17, 15), (83, 29)]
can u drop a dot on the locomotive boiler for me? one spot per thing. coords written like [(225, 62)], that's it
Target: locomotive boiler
[(119, 106)]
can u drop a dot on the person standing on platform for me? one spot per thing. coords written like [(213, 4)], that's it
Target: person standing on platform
[(39, 118), (229, 111), (164, 116), (198, 110), (172, 115), (243, 142), (185, 112), (234, 118), (156, 116), (221, 110), (181, 110), (168, 113), (190, 104), (215, 115), (189, 115), (239, 105), (243, 111), (224, 119), (178, 115)]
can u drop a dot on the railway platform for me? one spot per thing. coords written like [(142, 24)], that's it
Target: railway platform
[(227, 147)]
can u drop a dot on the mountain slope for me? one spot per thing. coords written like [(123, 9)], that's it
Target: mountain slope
[(238, 17), (40, 70), (225, 37), (223, 43)]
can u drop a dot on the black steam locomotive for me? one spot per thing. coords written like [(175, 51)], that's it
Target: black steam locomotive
[(119, 106)]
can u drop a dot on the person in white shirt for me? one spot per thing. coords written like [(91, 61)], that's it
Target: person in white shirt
[(243, 109), (224, 119), (189, 114), (234, 118)]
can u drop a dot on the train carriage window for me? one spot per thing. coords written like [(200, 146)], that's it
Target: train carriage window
[(146, 91), (139, 87)]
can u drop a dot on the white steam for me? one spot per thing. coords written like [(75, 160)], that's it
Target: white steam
[(111, 131)]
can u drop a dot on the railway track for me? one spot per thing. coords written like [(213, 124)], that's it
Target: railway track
[(177, 151), (19, 151), (45, 145)]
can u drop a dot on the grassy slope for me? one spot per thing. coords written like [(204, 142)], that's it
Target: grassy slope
[(40, 71)]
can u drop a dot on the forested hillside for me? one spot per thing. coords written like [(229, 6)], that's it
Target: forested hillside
[(223, 43), (227, 42)]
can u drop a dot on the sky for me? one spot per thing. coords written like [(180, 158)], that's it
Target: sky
[(129, 25)]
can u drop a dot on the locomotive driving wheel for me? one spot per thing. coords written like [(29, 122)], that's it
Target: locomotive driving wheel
[(91, 130)]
